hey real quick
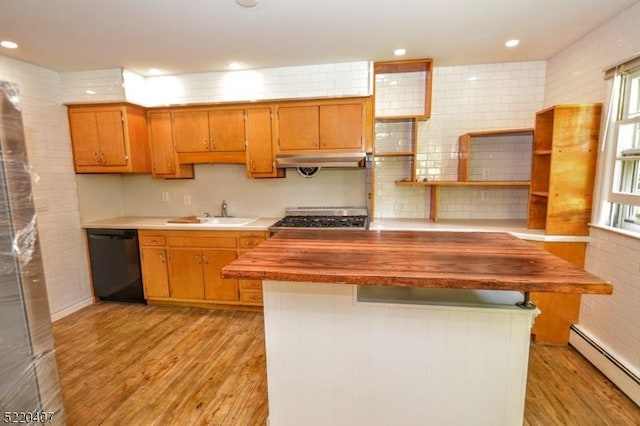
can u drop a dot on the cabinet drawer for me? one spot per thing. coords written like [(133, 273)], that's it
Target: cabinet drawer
[(250, 242), (152, 240), (251, 296), (205, 242), (251, 285)]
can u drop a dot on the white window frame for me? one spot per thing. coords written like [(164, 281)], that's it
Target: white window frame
[(611, 167)]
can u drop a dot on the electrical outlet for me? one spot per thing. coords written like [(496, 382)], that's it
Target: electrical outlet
[(187, 200), (165, 196), (485, 174)]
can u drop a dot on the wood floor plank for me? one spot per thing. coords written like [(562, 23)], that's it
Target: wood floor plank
[(153, 365)]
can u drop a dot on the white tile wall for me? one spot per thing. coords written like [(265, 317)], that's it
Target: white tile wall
[(483, 203), (500, 157), (399, 94), (576, 75), (344, 79), (54, 187), (615, 319), (116, 85), (93, 86), (464, 99)]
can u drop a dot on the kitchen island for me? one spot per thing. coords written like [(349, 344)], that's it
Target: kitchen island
[(400, 327)]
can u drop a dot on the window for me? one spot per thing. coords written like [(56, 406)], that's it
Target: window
[(622, 204)]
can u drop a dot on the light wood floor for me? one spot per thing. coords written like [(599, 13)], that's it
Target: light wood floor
[(125, 364)]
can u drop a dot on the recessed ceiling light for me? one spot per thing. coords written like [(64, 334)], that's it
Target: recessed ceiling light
[(90, 92), (155, 71), (512, 43), (247, 3), (235, 65), (399, 52), (8, 44)]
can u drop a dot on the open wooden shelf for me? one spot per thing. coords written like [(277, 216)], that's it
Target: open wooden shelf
[(422, 68), (565, 150), (395, 154), (461, 183)]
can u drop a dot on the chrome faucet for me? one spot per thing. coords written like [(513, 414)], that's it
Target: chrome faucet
[(224, 208)]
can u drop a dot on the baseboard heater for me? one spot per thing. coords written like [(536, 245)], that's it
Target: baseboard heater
[(628, 381)]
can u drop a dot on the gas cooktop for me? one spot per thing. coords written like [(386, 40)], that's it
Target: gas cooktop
[(323, 218)]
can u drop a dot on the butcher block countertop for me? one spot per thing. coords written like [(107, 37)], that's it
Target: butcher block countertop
[(469, 260)]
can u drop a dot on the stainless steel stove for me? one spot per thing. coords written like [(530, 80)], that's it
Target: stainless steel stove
[(353, 218)]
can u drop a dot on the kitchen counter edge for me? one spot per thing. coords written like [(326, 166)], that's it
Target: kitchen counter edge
[(517, 228), (160, 223)]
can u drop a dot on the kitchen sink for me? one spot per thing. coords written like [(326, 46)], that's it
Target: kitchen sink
[(208, 221), (226, 221)]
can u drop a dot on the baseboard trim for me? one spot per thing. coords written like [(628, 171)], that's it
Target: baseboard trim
[(71, 309), (627, 380)]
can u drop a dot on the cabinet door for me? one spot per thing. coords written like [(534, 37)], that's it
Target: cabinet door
[(226, 130), (84, 136), (216, 287), (341, 126), (155, 276), (260, 144), (298, 127), (191, 131), (185, 273), (162, 150), (113, 151)]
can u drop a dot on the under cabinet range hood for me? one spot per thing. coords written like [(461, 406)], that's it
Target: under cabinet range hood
[(334, 159)]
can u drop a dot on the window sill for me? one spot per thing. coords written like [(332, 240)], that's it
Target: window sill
[(619, 231)]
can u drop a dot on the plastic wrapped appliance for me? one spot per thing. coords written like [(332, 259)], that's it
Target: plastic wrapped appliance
[(29, 385)]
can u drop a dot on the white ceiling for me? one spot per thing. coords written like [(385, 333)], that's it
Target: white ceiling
[(185, 36)]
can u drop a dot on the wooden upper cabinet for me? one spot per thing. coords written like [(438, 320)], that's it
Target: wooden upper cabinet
[(336, 124), (84, 134), (259, 130), (341, 126), (298, 127), (163, 154), (217, 130), (226, 130), (191, 131), (109, 138)]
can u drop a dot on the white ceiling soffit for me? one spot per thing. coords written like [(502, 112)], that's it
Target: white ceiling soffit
[(189, 36)]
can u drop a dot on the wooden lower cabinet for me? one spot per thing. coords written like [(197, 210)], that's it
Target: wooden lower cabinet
[(154, 274), (559, 310), (186, 267)]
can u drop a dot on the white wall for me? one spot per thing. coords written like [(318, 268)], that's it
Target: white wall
[(244, 196), (575, 75), (54, 185)]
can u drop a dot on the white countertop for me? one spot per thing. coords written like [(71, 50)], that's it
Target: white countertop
[(147, 222), (516, 228)]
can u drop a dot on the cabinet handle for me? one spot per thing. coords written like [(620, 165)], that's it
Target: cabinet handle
[(95, 157), (205, 141), (102, 161), (198, 259), (162, 258), (205, 259)]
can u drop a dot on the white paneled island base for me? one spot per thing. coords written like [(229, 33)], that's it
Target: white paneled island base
[(394, 356)]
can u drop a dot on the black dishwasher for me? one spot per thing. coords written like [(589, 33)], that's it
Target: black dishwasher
[(115, 264)]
